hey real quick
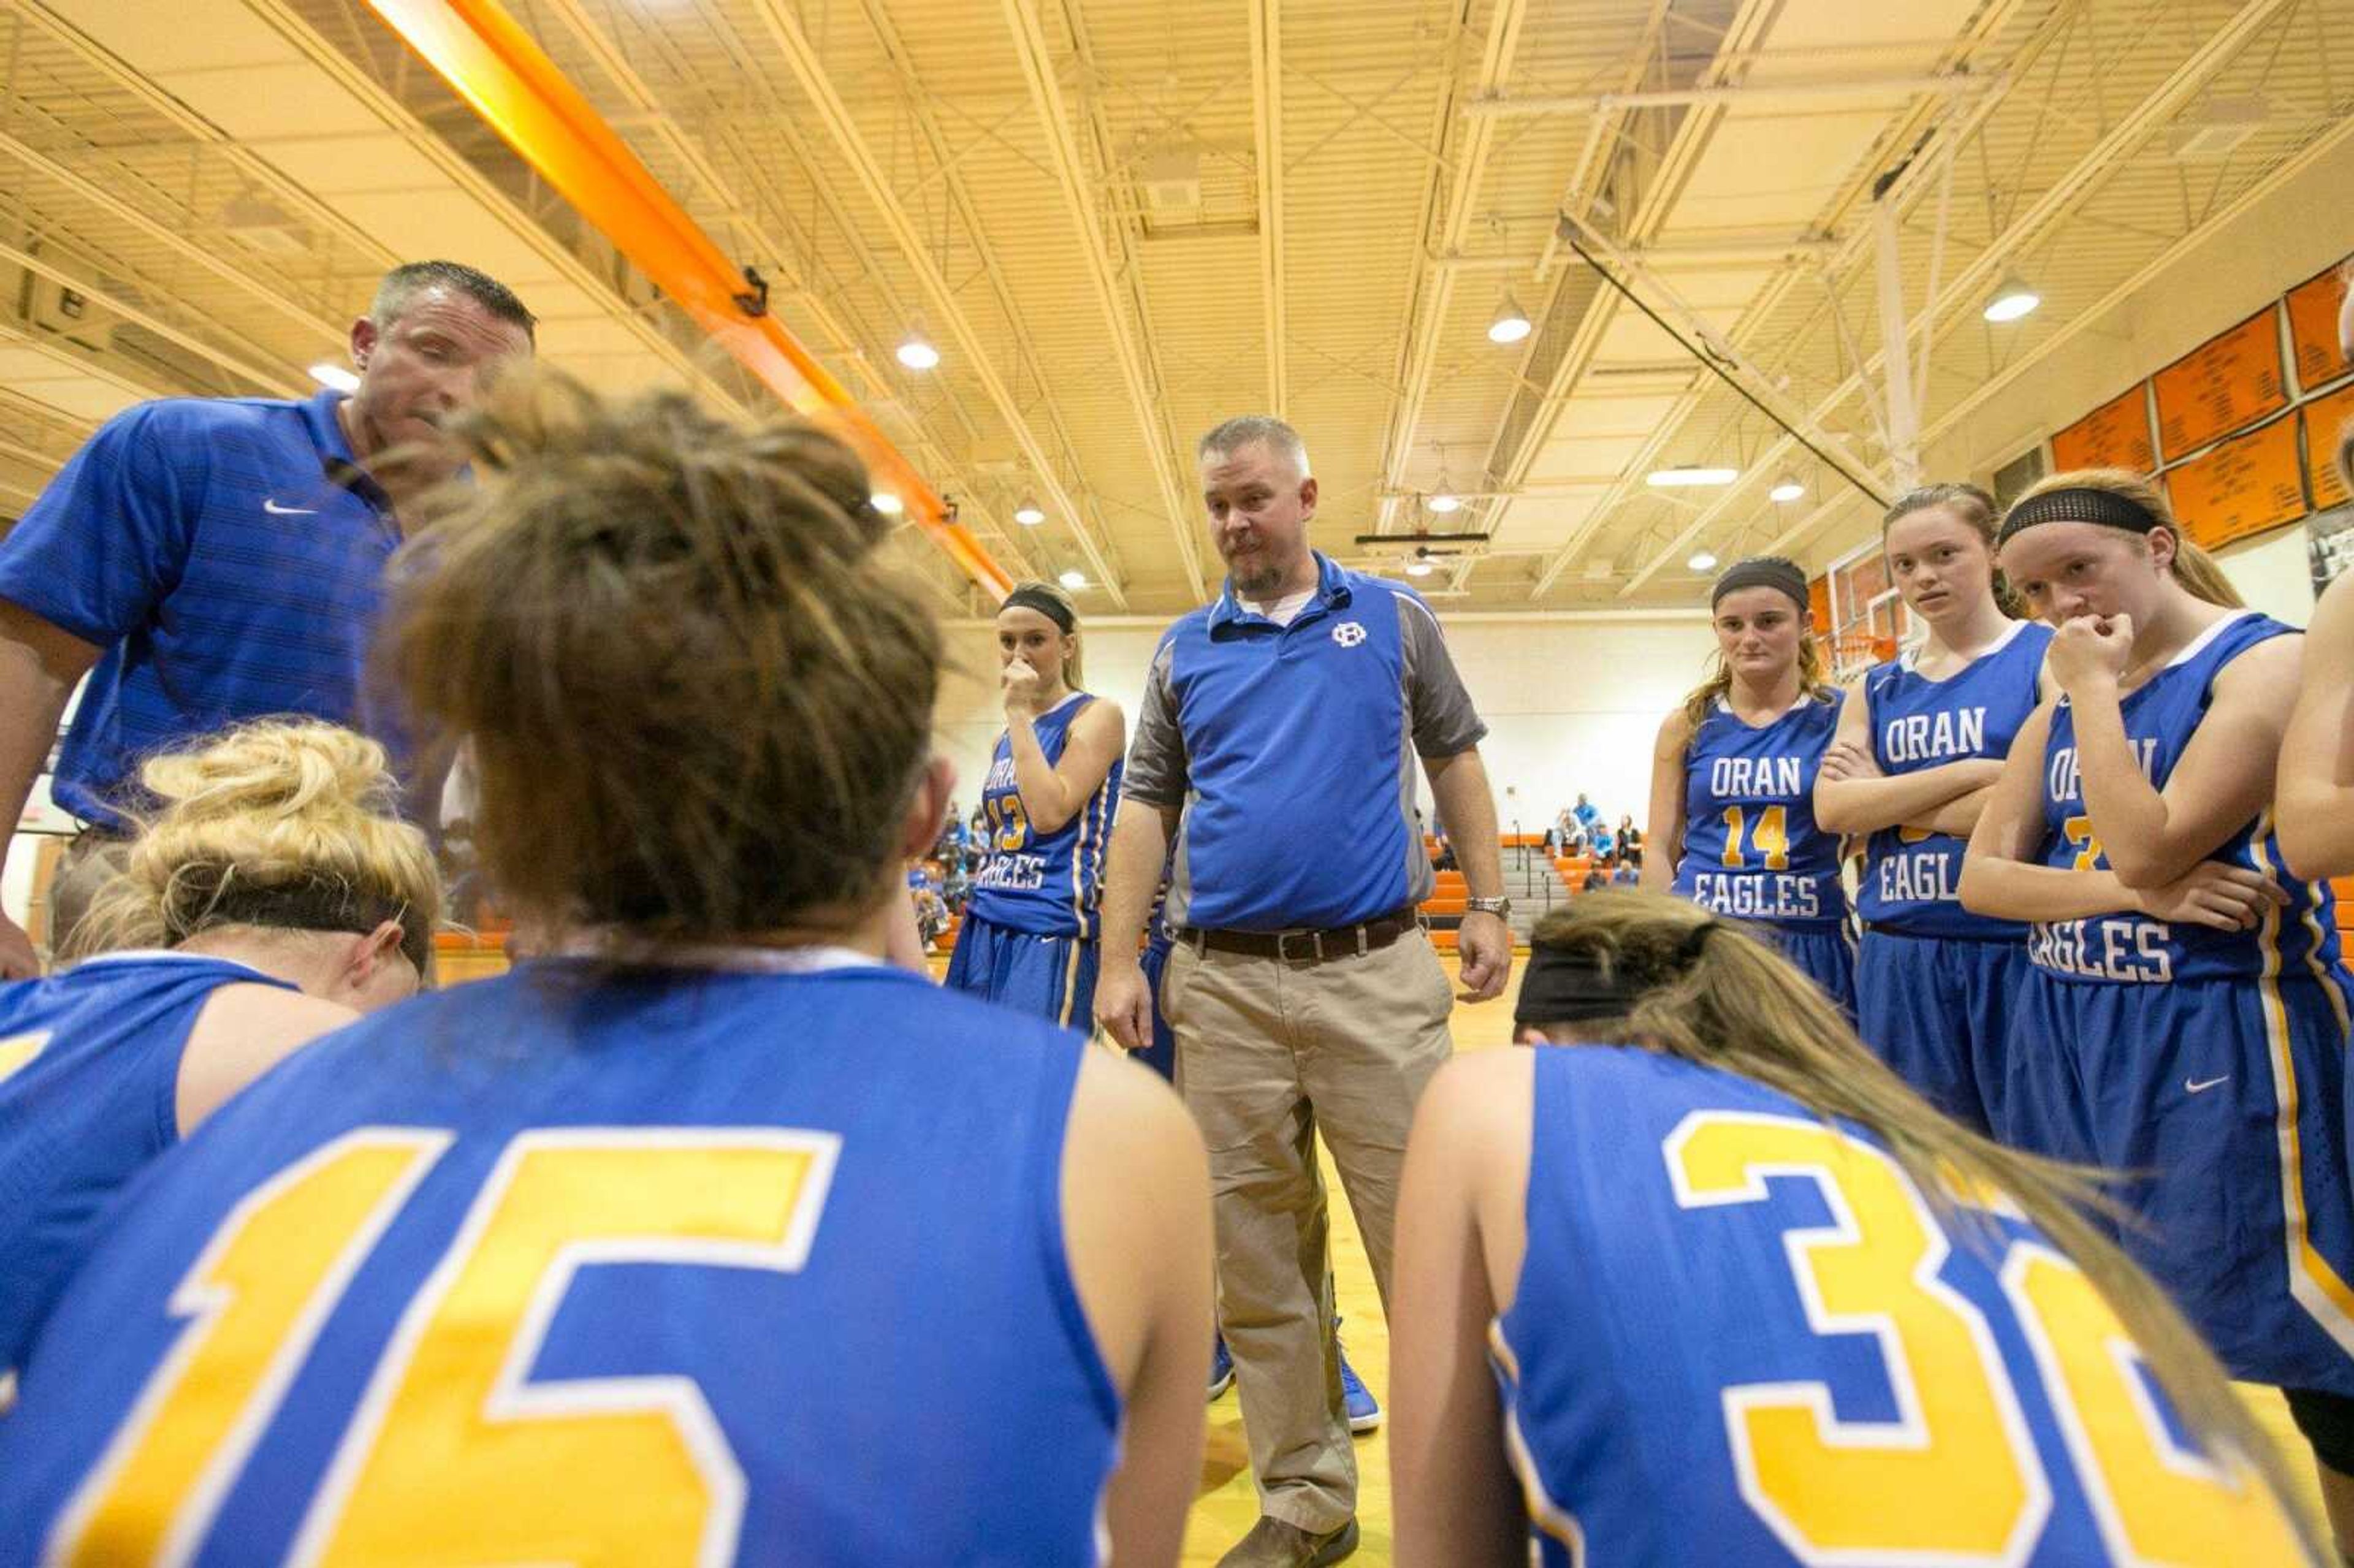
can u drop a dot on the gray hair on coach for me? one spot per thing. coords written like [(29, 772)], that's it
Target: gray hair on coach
[(1255, 429), (401, 286)]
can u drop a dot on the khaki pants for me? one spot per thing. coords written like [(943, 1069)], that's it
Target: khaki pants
[(1269, 1053)]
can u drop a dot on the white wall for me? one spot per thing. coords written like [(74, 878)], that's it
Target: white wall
[(1571, 703)]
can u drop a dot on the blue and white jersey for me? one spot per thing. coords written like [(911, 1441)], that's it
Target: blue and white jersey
[(1291, 749), (1048, 884), (1911, 879), (226, 554), (1798, 1358), (2161, 716), (1751, 846), (90, 1084), (571, 1266)]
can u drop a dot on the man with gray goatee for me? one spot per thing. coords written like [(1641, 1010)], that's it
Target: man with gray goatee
[(1276, 745)]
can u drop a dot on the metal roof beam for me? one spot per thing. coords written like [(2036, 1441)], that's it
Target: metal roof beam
[(1908, 189), (1434, 286), (1944, 425), (2069, 191), (625, 76), (170, 238), (1734, 95), (275, 380), (1267, 129), (801, 58), (1138, 369)]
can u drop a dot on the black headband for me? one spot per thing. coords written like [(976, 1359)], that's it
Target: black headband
[(2080, 504), (1045, 604), (319, 904), (1762, 571), (1569, 984)]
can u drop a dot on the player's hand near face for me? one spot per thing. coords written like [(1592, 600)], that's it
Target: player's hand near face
[(1024, 690), (2091, 650)]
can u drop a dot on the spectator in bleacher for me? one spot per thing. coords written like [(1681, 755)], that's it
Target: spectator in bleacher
[(1445, 861), (1589, 816), (1595, 877), (1602, 844), (956, 840), (1630, 841), (1625, 875)]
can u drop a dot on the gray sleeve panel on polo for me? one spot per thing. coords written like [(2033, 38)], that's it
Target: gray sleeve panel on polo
[(1421, 879), (1156, 776), (1156, 771), (1180, 877), (1442, 720)]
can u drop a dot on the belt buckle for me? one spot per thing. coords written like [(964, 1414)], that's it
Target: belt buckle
[(1315, 950)]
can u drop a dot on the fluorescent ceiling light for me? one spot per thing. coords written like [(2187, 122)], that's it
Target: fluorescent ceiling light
[(1073, 579), (918, 353), (1511, 323), (1420, 569), (1029, 513), (2011, 300), (334, 375), (1688, 477), (888, 504), (1443, 501), (1702, 561), (1787, 490)]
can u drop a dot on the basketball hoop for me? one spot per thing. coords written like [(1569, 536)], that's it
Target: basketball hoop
[(1855, 651)]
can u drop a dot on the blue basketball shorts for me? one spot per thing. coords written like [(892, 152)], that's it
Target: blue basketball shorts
[(1824, 954), (1046, 977), (2221, 1106), (1938, 1010)]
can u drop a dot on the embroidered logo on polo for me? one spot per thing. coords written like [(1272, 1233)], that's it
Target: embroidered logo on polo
[(1348, 634), (270, 504)]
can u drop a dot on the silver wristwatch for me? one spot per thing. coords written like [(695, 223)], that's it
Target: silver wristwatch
[(1502, 908)]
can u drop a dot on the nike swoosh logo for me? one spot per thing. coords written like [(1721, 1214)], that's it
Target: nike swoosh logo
[(2190, 1086), (277, 511)]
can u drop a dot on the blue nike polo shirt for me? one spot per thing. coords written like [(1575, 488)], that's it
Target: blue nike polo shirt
[(1292, 751), (226, 554)]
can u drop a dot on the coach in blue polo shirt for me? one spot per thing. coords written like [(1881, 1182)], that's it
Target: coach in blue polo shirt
[(217, 559), (1276, 742)]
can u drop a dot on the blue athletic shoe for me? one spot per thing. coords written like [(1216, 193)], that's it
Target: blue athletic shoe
[(1364, 1410), (1222, 1368)]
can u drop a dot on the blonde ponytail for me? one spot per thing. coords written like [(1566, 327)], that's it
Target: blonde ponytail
[(289, 824)]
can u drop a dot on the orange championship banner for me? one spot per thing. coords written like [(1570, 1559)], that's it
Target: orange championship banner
[(2325, 421), (2246, 486), (2312, 307), (2114, 435), (2226, 383)]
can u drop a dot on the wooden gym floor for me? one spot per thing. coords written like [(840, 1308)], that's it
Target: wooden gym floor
[(1226, 1505)]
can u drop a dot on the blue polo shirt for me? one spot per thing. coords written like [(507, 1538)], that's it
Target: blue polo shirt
[(226, 554), (1291, 750)]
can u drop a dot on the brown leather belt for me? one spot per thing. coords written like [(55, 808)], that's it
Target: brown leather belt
[(1307, 947)]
